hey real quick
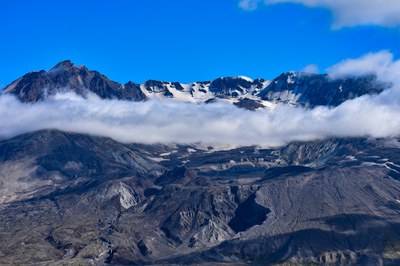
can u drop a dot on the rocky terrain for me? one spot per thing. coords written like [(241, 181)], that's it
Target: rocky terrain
[(74, 199), (81, 200)]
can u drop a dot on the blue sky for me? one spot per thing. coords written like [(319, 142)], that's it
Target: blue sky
[(182, 40)]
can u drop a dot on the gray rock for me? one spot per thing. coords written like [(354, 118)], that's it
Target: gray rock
[(83, 200)]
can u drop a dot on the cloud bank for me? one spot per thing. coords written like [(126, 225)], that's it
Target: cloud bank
[(381, 64), (347, 13), (220, 123)]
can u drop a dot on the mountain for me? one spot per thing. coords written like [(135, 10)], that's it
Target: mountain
[(318, 89), (64, 77), (298, 89), (76, 199)]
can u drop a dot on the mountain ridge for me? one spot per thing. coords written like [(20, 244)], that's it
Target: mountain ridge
[(293, 88)]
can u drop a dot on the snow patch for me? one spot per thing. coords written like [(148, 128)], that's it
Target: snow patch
[(245, 78), (290, 80)]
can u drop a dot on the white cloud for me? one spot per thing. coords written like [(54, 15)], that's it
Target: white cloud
[(347, 13), (168, 122), (313, 69), (249, 5), (380, 64)]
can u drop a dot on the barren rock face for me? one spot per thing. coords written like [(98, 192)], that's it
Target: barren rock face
[(71, 198)]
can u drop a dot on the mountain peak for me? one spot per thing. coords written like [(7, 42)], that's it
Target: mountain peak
[(66, 64)]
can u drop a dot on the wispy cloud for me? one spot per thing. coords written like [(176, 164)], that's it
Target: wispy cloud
[(347, 13), (172, 122), (249, 5), (312, 68)]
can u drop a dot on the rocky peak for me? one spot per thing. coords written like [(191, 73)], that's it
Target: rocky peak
[(156, 87), (65, 76), (231, 86), (63, 65), (312, 90)]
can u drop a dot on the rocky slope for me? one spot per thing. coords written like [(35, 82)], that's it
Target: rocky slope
[(298, 89), (84, 200)]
